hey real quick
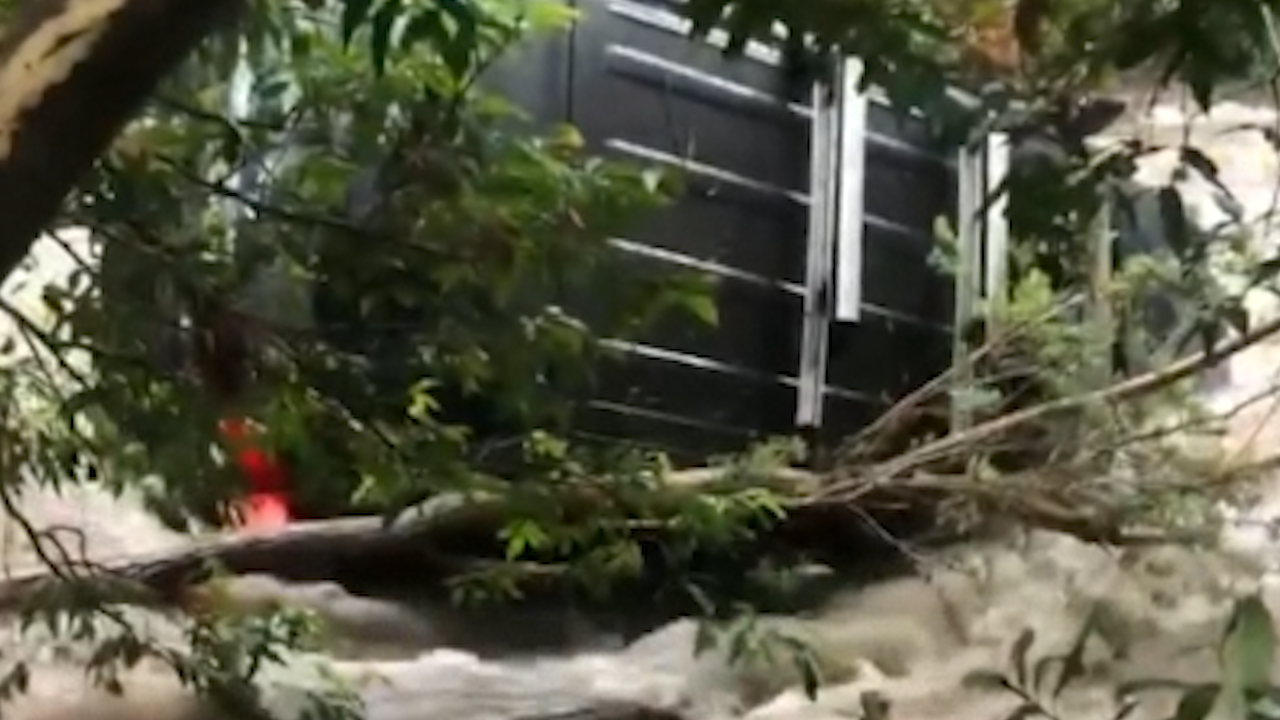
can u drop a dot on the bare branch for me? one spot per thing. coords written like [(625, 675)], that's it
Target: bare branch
[(850, 488)]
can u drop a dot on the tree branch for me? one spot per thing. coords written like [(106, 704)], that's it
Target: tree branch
[(847, 488), (74, 72)]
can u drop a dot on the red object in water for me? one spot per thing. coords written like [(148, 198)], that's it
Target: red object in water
[(263, 511), (267, 505)]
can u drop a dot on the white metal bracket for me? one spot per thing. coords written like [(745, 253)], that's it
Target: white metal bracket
[(851, 192)]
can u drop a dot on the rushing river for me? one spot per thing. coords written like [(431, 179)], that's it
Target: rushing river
[(909, 639)]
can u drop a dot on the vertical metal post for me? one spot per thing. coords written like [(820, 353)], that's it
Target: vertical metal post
[(968, 279), (982, 268), (816, 331), (995, 225), (851, 195), (1101, 318)]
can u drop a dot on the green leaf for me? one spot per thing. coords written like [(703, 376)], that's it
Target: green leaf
[(743, 639), (1026, 710), (1196, 704), (986, 680), (1173, 217), (652, 178), (1265, 708), (1073, 662), (705, 638), (810, 672), (1018, 655), (1136, 687), (1202, 86), (457, 53), (426, 26), (550, 14), (705, 604), (380, 34), (522, 536), (422, 404), (1195, 158), (354, 14), (1237, 316), (703, 307), (1248, 647)]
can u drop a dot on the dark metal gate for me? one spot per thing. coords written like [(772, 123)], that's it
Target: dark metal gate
[(757, 215)]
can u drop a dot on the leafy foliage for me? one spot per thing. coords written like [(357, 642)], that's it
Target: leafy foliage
[(451, 250), (1045, 52), (329, 225)]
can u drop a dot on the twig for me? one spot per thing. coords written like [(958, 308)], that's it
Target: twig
[(1193, 423), (267, 209), (902, 409)]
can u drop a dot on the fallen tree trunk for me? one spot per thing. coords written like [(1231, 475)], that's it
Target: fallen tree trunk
[(419, 547)]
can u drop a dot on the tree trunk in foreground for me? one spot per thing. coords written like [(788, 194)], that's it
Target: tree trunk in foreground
[(72, 73)]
